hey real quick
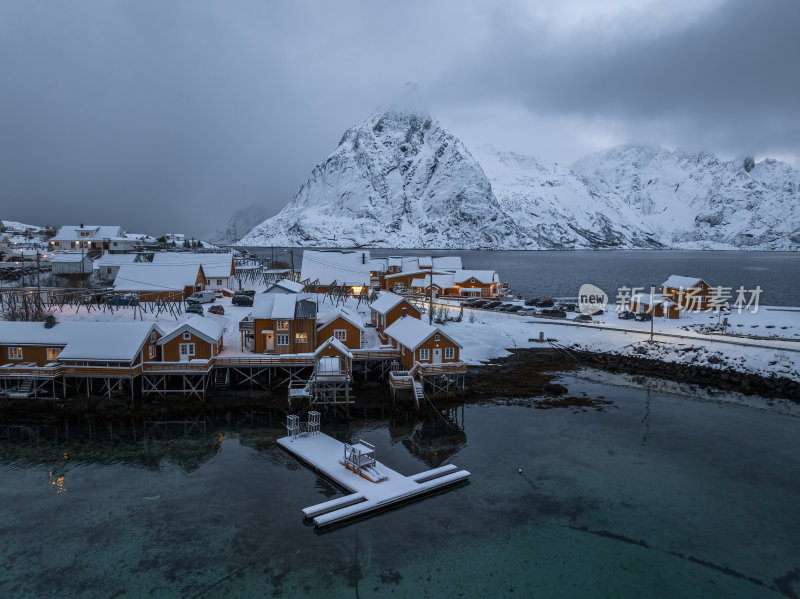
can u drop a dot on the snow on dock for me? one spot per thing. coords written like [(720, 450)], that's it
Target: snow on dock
[(372, 485)]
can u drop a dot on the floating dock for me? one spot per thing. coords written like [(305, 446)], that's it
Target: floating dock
[(372, 485)]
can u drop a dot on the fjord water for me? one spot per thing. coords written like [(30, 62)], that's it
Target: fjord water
[(659, 494), (561, 273)]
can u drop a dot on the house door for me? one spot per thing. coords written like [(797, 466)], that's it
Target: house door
[(269, 342), (186, 351), (437, 355)]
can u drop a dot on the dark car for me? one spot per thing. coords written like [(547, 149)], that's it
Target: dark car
[(598, 312), (546, 303), (502, 307), (569, 307), (242, 300), (216, 310), (492, 305), (552, 313), (128, 299), (247, 292), (532, 301), (515, 308), (644, 317), (583, 318), (626, 315), (479, 304), (194, 308)]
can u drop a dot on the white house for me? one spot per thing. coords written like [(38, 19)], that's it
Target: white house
[(92, 237), (219, 268)]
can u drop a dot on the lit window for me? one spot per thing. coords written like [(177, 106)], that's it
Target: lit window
[(449, 353), (52, 352), (187, 335), (151, 353), (282, 339), (340, 334), (424, 354), (14, 353), (301, 337), (282, 325)]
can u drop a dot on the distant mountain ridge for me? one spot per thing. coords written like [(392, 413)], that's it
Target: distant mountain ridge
[(401, 180)]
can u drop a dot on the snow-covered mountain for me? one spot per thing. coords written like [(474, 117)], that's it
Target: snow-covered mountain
[(697, 200), (397, 180), (240, 223), (400, 180)]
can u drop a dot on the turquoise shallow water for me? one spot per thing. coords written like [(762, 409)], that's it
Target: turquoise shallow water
[(660, 495)]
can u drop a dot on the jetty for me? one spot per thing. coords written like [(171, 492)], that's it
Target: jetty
[(371, 485)]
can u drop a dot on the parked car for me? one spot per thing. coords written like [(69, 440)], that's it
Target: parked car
[(569, 307), (546, 303), (479, 303), (242, 300), (492, 305), (626, 315), (527, 312), (502, 307), (553, 313), (532, 301), (201, 297), (248, 292), (216, 310), (127, 299), (644, 316), (514, 308), (194, 308), (598, 312), (583, 318)]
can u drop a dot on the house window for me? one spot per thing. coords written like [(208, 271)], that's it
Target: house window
[(436, 337), (219, 281), (115, 244), (152, 337), (424, 354), (187, 335), (187, 349), (282, 339), (151, 352), (14, 353), (301, 337), (282, 325), (449, 353), (340, 334), (52, 352)]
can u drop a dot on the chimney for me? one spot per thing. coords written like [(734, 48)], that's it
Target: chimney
[(405, 312)]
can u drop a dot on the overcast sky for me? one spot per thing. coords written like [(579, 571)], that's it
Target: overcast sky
[(169, 115)]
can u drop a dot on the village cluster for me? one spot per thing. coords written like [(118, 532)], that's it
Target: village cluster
[(142, 320)]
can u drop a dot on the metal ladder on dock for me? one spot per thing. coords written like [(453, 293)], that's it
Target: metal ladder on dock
[(419, 391), (221, 378)]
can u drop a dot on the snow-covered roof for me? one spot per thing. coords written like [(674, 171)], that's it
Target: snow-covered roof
[(411, 332), (447, 263), (155, 277), (206, 328), (385, 302), (337, 344), (73, 232), (70, 257), (287, 285), (678, 281), (425, 262), (283, 307), (648, 300), (108, 259), (395, 261), (486, 277), (214, 264), (91, 341), (420, 272), (328, 317), (377, 264), (344, 267), (440, 281)]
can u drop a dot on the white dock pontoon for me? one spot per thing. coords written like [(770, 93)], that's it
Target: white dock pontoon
[(372, 485)]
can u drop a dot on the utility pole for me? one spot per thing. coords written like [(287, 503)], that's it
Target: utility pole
[(430, 298), (291, 253), (38, 281)]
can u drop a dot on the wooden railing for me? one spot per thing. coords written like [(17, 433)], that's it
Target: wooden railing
[(262, 360), (374, 354), (34, 371), (72, 370), (198, 366), (444, 368)]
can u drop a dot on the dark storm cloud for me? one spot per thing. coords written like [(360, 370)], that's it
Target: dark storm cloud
[(171, 115), (728, 82)]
